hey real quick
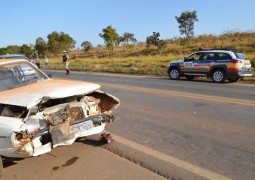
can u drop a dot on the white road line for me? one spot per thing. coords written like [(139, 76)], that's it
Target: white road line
[(170, 159)]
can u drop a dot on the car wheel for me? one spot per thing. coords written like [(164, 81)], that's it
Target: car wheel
[(174, 73), (1, 166), (235, 79), (218, 76), (190, 77)]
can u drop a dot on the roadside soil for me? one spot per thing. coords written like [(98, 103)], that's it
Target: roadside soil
[(78, 161)]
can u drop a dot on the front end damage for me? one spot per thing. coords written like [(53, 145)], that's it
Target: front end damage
[(56, 122)]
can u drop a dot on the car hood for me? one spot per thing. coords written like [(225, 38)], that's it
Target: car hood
[(30, 95)]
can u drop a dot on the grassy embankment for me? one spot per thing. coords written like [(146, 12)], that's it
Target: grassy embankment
[(142, 61)]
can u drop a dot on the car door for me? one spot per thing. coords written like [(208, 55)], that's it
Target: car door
[(190, 63), (202, 66)]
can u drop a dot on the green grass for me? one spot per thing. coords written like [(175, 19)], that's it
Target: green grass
[(147, 65)]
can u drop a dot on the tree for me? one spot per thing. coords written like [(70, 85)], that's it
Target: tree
[(14, 49), (186, 23), (86, 45), (128, 38), (154, 40), (3, 51), (57, 42), (26, 50), (110, 36), (99, 46), (41, 46), (34, 53)]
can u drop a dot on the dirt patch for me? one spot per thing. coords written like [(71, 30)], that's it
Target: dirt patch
[(55, 168), (70, 162)]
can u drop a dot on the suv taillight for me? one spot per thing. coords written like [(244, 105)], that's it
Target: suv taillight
[(235, 61)]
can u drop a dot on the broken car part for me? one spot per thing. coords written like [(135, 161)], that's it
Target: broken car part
[(47, 113)]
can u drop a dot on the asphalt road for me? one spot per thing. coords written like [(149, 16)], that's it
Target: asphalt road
[(204, 129)]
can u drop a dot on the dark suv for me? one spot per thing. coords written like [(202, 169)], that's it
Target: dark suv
[(218, 64)]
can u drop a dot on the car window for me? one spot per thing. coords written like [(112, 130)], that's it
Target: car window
[(240, 55), (194, 57), (210, 56), (19, 74), (224, 56)]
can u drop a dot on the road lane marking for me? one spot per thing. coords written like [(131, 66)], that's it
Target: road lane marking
[(181, 94), (170, 159)]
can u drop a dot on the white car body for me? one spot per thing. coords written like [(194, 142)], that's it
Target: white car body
[(48, 113)]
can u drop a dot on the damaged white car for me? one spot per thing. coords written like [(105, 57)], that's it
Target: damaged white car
[(38, 114)]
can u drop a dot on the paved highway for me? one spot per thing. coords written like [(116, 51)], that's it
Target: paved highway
[(205, 124), (182, 129)]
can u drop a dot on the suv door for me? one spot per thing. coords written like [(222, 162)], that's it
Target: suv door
[(189, 64), (206, 60)]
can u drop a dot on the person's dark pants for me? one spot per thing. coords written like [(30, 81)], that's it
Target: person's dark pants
[(38, 65), (67, 67)]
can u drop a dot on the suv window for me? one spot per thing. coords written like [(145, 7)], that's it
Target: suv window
[(224, 56), (194, 57), (210, 56), (240, 55)]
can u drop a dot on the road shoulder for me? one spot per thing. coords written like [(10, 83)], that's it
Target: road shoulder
[(78, 161)]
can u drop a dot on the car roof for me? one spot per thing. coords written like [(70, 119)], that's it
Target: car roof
[(11, 55), (18, 56), (225, 50), (12, 60), (208, 51)]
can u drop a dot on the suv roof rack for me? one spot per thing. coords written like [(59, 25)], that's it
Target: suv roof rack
[(225, 49)]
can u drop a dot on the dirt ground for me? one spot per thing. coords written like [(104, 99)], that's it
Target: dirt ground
[(78, 161)]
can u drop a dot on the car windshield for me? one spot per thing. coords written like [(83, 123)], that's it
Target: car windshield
[(18, 74), (240, 55)]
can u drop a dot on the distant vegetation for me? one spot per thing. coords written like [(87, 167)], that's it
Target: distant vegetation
[(174, 48), (123, 54), (139, 59)]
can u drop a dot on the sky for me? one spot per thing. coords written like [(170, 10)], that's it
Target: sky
[(23, 21)]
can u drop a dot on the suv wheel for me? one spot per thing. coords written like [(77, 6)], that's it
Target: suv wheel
[(174, 74), (1, 166), (218, 76), (189, 77)]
